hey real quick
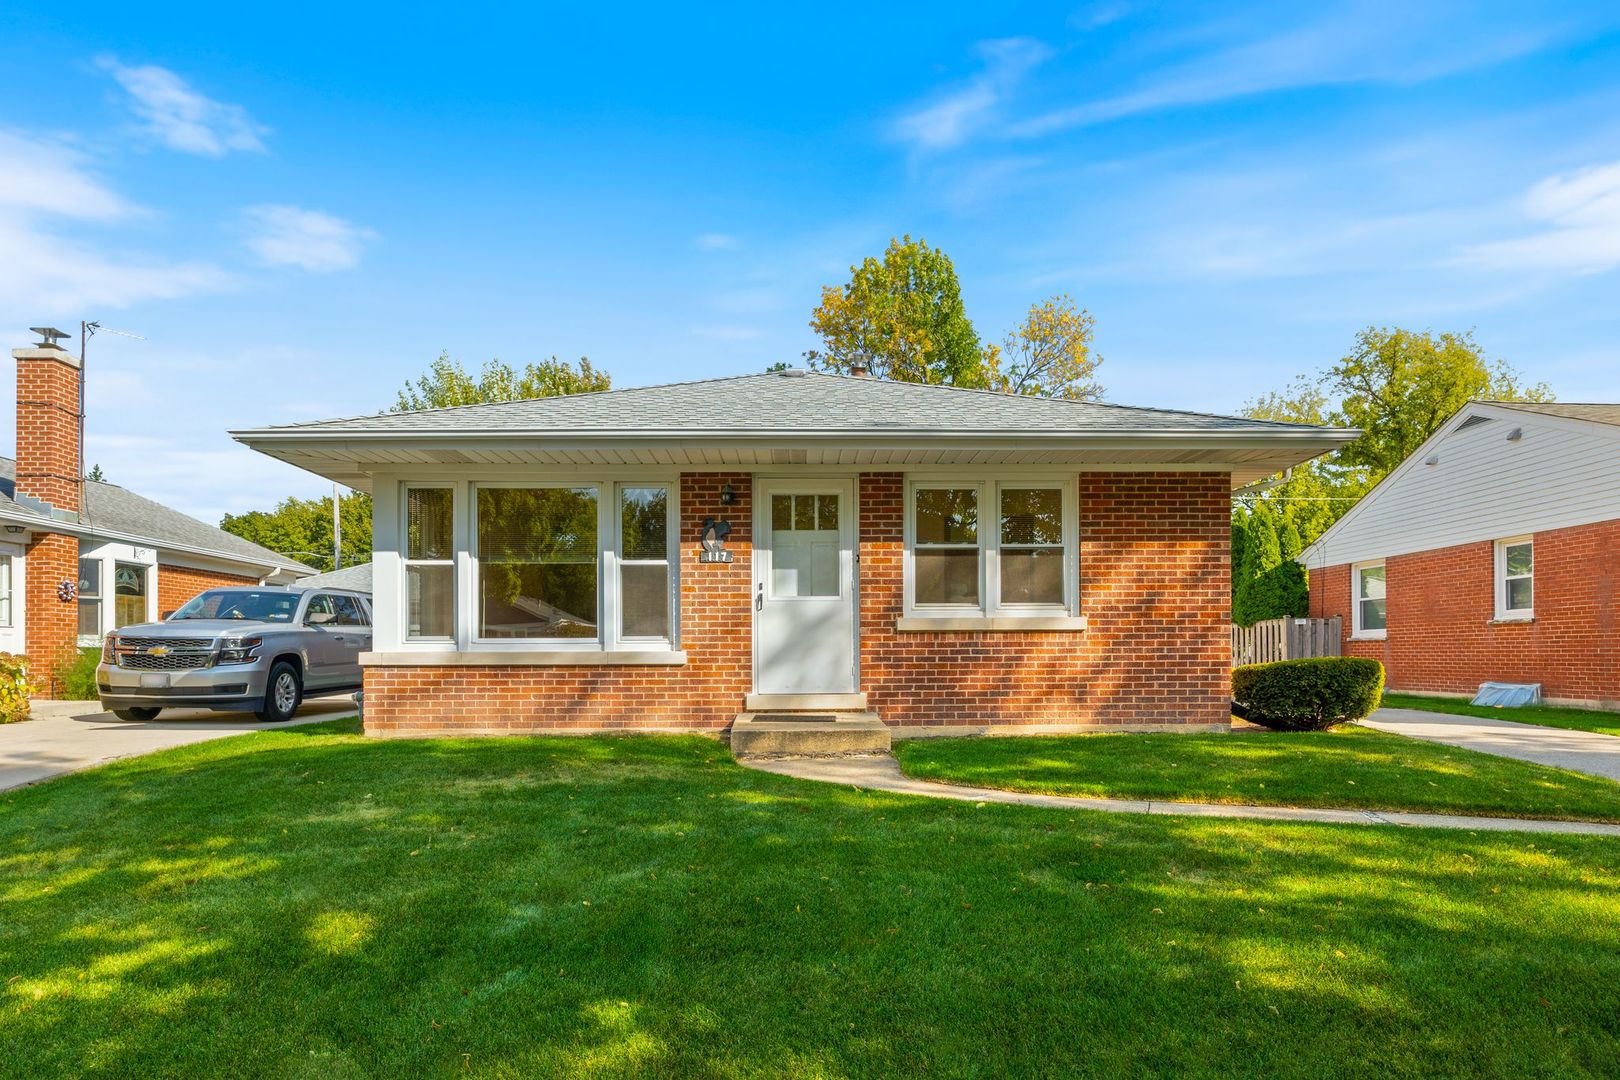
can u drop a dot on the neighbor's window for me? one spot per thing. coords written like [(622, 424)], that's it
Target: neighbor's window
[(89, 597), (5, 590), (644, 562), (1515, 574), (537, 562), (1370, 614), (129, 594), (991, 548), (430, 569)]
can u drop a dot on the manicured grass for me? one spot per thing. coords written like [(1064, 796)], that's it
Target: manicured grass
[(305, 902), (1604, 723), (1348, 767)]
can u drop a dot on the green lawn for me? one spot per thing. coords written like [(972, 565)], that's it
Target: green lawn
[(309, 903), (1604, 723), (1349, 767)]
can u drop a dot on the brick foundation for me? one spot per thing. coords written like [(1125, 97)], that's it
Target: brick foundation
[(1154, 585), (1441, 607), (177, 584)]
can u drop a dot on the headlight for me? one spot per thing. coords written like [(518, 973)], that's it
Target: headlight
[(109, 649), (239, 650)]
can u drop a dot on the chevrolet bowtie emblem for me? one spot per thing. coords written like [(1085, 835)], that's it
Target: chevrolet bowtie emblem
[(158, 650)]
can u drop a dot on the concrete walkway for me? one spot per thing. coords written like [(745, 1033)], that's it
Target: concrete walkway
[(1579, 751), (882, 773), (68, 736)]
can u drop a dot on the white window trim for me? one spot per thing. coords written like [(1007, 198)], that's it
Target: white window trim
[(466, 569), (1357, 633), (990, 613), (1500, 580), (109, 555)]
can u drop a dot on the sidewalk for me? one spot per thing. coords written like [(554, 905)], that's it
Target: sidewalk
[(882, 773), (70, 735), (1579, 751)]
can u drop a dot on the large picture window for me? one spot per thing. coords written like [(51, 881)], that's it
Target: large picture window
[(538, 560), (991, 548), (430, 569)]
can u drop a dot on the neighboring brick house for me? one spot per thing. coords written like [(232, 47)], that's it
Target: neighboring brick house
[(78, 557), (1491, 554), (664, 557)]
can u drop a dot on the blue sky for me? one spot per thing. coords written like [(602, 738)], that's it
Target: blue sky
[(299, 213)]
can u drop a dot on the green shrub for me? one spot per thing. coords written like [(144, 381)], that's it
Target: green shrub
[(1307, 695), (16, 687), (76, 676)]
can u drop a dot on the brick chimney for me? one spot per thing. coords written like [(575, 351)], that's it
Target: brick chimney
[(48, 381)]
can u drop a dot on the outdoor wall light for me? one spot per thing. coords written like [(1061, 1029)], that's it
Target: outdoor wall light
[(727, 495), (14, 528)]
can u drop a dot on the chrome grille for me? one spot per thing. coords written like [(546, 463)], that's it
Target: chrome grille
[(163, 654)]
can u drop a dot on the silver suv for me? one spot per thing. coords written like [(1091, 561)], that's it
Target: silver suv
[(259, 649)]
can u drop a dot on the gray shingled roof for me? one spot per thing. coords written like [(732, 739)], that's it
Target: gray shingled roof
[(796, 402), (1596, 412), (116, 511), (357, 578)]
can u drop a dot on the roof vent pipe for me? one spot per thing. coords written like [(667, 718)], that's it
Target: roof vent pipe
[(857, 368)]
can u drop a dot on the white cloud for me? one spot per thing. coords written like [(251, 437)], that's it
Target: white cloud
[(1580, 215), (958, 116), (1362, 43), (47, 273), (714, 241), (181, 118), (283, 235)]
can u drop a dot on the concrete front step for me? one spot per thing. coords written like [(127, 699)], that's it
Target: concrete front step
[(807, 734)]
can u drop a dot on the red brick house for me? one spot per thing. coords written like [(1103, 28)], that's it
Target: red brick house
[(79, 557), (1491, 554), (665, 557)]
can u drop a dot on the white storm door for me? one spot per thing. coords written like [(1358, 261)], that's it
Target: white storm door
[(804, 587)]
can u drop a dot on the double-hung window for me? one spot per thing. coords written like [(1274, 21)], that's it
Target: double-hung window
[(5, 590), (1368, 583), (430, 569), (999, 549), (1515, 578), (89, 596)]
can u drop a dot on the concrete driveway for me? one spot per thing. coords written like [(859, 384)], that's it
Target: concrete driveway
[(1578, 751), (68, 736)]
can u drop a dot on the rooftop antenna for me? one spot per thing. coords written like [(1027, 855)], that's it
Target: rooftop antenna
[(87, 330)]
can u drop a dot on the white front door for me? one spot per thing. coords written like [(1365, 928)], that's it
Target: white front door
[(804, 587)]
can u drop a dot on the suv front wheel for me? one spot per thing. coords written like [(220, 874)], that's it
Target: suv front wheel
[(282, 694)]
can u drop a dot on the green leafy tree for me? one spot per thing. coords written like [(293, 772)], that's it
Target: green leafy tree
[(302, 529), (96, 474), (1267, 582), (1049, 354), (447, 384), (1399, 386), (902, 317)]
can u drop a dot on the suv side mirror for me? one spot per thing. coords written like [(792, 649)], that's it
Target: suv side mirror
[(319, 618)]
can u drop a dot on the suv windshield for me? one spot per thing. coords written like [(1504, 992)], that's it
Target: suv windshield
[(266, 606)]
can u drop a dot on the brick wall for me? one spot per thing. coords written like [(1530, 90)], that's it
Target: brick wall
[(1154, 587), (1441, 605), (177, 584), (48, 426), (53, 623), (704, 694)]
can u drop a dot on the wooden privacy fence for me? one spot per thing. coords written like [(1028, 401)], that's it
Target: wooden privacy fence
[(1285, 639)]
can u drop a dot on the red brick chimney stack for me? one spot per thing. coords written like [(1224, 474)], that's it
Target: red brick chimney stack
[(48, 467)]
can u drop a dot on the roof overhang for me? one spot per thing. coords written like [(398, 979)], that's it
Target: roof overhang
[(354, 458), (39, 523)]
